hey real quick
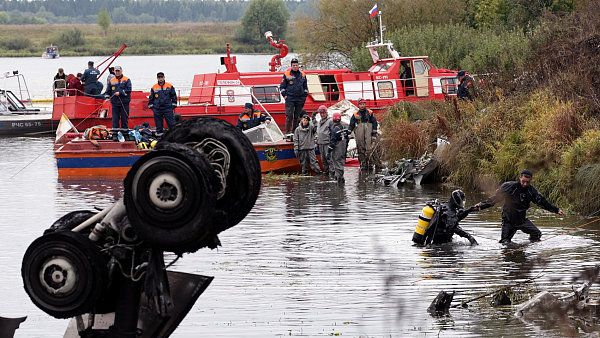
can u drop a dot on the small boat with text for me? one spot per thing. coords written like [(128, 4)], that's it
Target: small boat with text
[(17, 115)]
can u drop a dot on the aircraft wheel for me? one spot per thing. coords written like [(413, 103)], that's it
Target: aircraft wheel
[(64, 274), (169, 197)]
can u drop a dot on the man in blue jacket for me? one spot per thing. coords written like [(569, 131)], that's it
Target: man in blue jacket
[(162, 101), (119, 93), (294, 89), (91, 85)]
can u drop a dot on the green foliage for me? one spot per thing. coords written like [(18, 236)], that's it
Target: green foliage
[(104, 20), (16, 43), (70, 38), (262, 16), (458, 46), (586, 186)]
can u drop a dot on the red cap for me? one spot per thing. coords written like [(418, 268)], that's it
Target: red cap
[(322, 108), (337, 116)]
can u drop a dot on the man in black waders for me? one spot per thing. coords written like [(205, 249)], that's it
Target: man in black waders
[(444, 223), (304, 145), (294, 89), (517, 197), (338, 142), (364, 125)]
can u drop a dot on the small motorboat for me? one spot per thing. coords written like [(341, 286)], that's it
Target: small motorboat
[(17, 115), (51, 52), (77, 157)]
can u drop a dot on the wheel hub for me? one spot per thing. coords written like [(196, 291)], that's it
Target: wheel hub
[(166, 191), (58, 276)]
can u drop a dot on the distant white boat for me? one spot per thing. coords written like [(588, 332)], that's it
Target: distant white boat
[(51, 53)]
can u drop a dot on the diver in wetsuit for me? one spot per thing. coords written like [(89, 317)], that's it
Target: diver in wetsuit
[(444, 223)]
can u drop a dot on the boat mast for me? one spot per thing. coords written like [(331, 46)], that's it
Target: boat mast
[(380, 43), (380, 27)]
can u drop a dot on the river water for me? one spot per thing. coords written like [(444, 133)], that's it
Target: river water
[(311, 259)]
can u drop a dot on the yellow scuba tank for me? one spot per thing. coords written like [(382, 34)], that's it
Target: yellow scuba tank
[(423, 224)]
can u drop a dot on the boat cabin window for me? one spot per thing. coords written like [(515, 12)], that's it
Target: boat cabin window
[(264, 133), (449, 85), (266, 94), (3, 108), (386, 89), (330, 87), (420, 67), (381, 66)]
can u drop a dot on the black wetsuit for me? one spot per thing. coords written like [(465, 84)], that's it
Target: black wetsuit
[(444, 224), (517, 199)]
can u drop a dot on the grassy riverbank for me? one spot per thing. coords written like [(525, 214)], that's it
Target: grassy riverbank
[(543, 115), (142, 39)]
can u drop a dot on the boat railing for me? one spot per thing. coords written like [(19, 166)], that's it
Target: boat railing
[(330, 91)]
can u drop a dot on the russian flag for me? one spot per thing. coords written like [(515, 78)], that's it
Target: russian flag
[(374, 11)]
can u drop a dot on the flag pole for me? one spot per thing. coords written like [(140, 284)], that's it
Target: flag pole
[(380, 27)]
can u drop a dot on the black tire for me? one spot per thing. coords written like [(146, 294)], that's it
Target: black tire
[(64, 274), (70, 221), (170, 197), (244, 177)]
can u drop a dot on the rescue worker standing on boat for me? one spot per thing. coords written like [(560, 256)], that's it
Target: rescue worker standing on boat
[(338, 142), (162, 101), (119, 93), (364, 125), (517, 197), (251, 118), (323, 129), (91, 85), (294, 89), (445, 221), (304, 145)]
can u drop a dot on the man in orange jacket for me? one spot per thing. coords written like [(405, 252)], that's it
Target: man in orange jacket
[(162, 101)]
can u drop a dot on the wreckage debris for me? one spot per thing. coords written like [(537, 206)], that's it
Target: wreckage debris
[(441, 304), (202, 178), (414, 170)]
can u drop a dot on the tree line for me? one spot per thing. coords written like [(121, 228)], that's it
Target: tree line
[(131, 11)]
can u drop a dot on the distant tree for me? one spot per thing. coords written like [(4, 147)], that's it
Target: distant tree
[(104, 20), (262, 16)]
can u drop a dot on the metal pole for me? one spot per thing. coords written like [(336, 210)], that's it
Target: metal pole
[(380, 27)]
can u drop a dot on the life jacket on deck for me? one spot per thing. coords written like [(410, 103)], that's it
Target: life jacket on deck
[(96, 133)]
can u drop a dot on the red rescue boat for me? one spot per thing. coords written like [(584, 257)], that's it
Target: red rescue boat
[(223, 95)]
